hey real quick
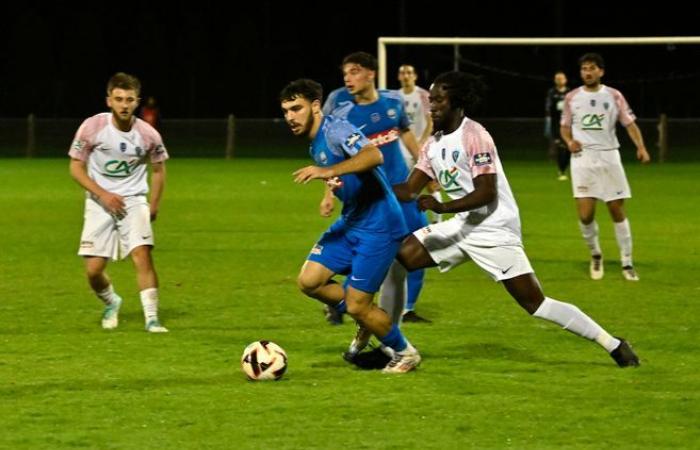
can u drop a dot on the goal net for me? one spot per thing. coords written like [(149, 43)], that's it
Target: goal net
[(658, 76)]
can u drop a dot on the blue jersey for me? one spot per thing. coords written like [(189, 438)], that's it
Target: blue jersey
[(336, 98), (369, 203), (382, 122)]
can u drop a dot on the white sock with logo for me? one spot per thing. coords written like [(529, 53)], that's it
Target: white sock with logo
[(590, 235), (572, 319), (623, 234), (106, 295), (149, 301)]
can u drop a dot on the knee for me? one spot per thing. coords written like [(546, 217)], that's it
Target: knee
[(308, 285), (357, 309)]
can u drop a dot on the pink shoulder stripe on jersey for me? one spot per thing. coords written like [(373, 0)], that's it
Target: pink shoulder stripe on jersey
[(479, 148), (423, 163), (626, 116), (566, 115), (152, 141), (84, 140)]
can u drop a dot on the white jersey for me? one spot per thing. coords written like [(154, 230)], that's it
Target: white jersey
[(454, 160), (116, 160), (417, 106), (592, 116)]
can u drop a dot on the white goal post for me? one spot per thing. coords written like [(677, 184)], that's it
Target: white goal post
[(383, 42)]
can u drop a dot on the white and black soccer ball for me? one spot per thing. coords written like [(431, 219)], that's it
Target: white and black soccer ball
[(264, 360)]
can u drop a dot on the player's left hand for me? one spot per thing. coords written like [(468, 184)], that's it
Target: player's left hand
[(154, 215), (643, 155), (308, 173), (426, 202)]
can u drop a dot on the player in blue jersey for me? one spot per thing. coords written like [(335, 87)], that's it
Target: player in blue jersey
[(380, 115), (336, 98), (363, 242)]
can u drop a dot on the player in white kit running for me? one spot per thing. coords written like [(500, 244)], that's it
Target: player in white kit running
[(462, 157), (588, 128), (108, 158)]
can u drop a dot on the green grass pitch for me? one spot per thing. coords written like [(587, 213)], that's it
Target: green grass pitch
[(231, 237)]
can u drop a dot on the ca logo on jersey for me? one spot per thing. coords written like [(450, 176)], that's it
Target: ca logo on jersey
[(448, 179), (592, 122), (119, 169)]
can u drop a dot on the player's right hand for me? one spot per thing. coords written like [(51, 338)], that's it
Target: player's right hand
[(574, 146), (114, 203)]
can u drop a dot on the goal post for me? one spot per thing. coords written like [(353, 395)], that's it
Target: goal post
[(383, 42), (456, 42)]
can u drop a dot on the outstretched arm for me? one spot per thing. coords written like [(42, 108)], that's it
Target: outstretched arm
[(636, 135), (367, 158), (485, 191), (410, 189)]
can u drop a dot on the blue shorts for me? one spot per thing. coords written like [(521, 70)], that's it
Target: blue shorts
[(364, 257)]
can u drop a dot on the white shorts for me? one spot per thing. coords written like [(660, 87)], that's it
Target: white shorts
[(105, 235), (599, 174), (452, 242)]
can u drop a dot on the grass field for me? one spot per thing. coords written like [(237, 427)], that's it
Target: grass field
[(231, 237)]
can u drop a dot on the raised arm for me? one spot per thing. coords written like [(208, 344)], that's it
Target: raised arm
[(367, 158)]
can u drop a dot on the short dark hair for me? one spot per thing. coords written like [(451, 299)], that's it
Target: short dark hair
[(592, 58), (121, 80), (303, 87), (364, 59), (465, 90)]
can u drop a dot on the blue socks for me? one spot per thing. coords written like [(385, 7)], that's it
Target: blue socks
[(394, 339), (341, 307)]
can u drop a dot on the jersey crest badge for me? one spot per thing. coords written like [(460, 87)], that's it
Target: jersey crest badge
[(352, 140), (481, 159)]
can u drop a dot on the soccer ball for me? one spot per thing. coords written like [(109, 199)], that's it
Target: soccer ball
[(264, 360)]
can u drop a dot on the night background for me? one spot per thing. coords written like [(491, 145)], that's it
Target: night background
[(203, 60)]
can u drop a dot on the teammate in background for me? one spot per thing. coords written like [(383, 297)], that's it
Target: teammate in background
[(381, 116), (336, 98), (362, 243), (417, 107), (150, 113), (108, 158), (588, 128), (486, 227), (553, 107)]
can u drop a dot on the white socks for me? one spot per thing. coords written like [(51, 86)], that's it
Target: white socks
[(394, 292), (590, 235), (106, 295), (623, 234), (149, 301), (576, 321)]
